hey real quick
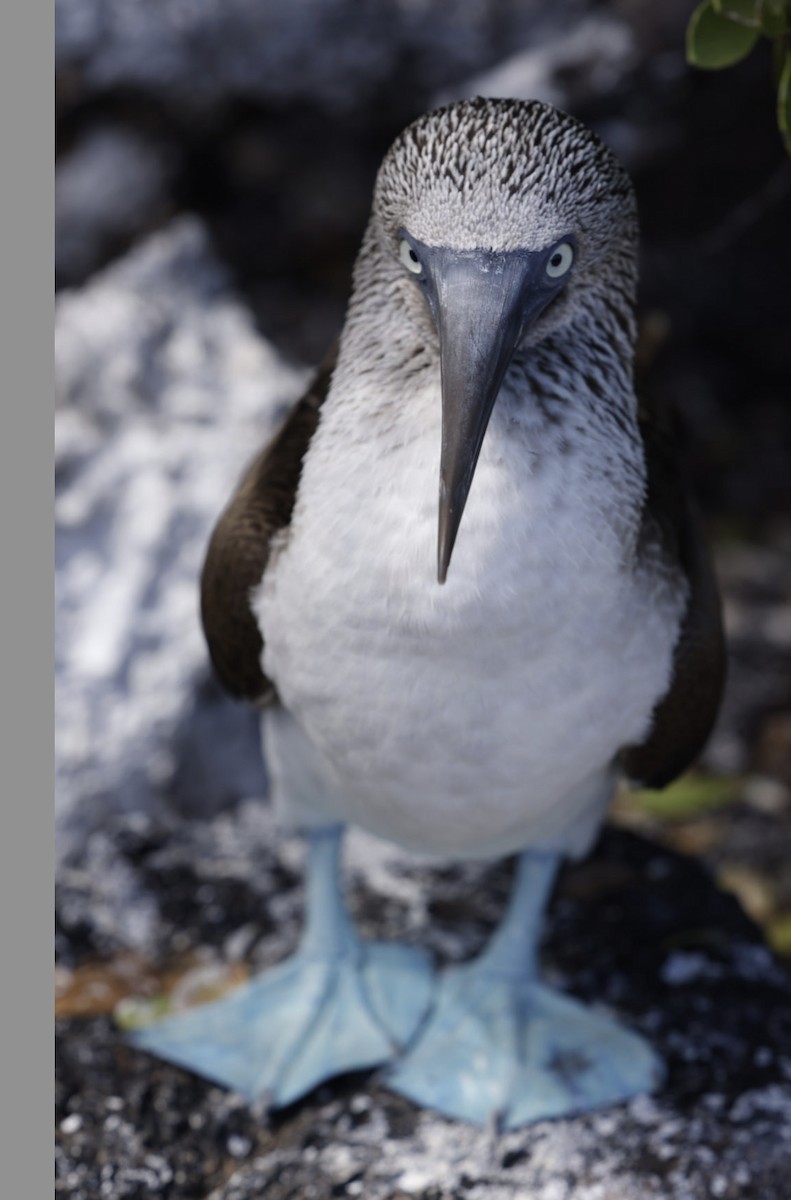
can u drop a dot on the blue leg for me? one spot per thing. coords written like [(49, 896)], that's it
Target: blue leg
[(339, 1004), (499, 1045)]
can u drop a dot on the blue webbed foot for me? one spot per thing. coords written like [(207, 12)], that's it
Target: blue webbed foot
[(339, 1004), (301, 1023), (500, 1045), (515, 1051)]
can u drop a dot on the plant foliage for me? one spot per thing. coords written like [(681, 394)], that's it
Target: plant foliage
[(722, 32)]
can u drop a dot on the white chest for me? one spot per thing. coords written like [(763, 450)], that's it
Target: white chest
[(474, 715)]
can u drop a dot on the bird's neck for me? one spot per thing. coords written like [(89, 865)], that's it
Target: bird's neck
[(592, 359)]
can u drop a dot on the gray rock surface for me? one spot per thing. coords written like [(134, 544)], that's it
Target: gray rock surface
[(636, 928), (165, 392)]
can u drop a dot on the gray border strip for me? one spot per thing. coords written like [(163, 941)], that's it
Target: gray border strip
[(27, 644)]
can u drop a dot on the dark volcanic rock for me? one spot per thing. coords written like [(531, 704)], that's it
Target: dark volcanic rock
[(635, 927), (339, 54), (113, 186)]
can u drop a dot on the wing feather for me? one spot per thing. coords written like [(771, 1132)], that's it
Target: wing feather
[(240, 545), (684, 716)]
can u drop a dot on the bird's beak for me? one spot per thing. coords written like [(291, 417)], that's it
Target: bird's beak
[(481, 304)]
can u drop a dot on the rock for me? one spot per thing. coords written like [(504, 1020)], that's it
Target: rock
[(165, 392), (635, 927), (114, 185), (338, 53), (568, 67)]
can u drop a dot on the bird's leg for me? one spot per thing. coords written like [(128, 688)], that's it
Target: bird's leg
[(338, 1004), (328, 929), (512, 949), (501, 1045)]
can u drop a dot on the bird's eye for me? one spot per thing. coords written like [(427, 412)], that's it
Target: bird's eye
[(560, 260), (409, 258)]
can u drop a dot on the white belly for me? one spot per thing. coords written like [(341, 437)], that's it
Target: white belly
[(480, 716)]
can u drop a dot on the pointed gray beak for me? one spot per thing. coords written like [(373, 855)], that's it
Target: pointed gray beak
[(480, 317), (482, 301)]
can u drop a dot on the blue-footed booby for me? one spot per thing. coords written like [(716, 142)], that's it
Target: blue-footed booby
[(466, 676)]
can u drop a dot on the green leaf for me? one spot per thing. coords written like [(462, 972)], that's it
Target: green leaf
[(690, 796), (714, 41), (784, 102), (743, 12)]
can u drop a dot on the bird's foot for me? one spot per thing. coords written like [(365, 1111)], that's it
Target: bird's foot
[(305, 1021), (513, 1051)]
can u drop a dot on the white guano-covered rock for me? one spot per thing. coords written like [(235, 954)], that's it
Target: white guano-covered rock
[(165, 391)]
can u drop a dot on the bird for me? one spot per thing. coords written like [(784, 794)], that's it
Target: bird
[(466, 585)]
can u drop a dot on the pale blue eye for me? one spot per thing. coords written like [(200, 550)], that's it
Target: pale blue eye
[(409, 258), (560, 260)]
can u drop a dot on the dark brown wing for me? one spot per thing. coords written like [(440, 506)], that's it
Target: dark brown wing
[(239, 548), (683, 718)]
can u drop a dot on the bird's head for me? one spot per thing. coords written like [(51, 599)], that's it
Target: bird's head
[(497, 222)]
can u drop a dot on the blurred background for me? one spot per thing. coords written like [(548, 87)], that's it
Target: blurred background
[(215, 160)]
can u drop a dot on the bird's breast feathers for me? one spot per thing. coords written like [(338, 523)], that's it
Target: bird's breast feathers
[(498, 693)]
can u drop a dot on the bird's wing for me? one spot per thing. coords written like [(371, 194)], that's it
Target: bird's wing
[(683, 717), (240, 544)]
